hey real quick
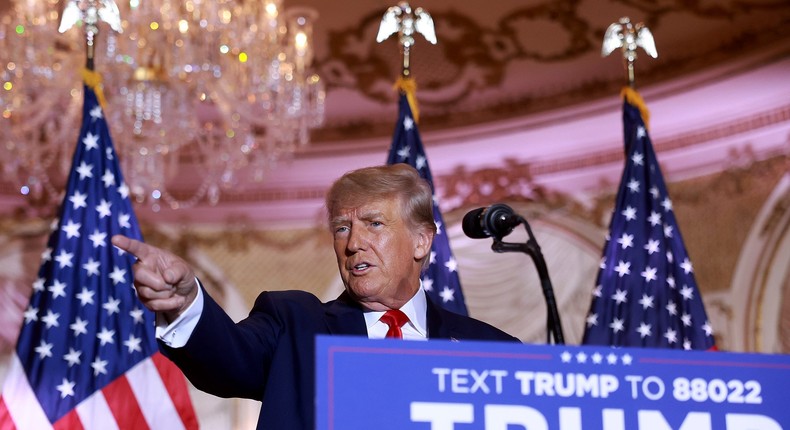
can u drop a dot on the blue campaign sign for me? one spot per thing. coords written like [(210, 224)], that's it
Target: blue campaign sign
[(443, 385)]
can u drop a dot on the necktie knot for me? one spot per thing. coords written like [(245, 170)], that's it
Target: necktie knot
[(395, 319)]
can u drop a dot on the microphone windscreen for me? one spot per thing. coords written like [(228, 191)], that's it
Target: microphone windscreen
[(472, 224)]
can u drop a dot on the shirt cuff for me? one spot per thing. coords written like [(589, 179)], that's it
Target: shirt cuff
[(177, 333)]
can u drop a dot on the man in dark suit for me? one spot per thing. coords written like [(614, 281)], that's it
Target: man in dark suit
[(382, 222)]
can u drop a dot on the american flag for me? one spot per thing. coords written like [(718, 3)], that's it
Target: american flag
[(645, 294), (87, 356), (440, 278)]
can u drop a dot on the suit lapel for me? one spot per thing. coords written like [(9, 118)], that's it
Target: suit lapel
[(345, 317), (439, 326)]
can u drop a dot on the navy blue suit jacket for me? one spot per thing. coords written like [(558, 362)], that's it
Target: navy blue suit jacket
[(270, 355)]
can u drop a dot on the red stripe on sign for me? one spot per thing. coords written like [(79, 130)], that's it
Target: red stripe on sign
[(70, 421), (123, 404), (6, 422), (176, 385)]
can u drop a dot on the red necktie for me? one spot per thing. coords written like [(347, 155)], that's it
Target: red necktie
[(395, 319)]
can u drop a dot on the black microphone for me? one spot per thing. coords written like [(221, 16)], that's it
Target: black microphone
[(497, 221)]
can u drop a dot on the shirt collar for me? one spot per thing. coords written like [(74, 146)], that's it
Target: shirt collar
[(416, 309)]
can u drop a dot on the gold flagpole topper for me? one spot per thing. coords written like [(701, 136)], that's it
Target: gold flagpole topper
[(623, 34)]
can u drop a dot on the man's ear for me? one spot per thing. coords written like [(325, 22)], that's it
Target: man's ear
[(423, 242)]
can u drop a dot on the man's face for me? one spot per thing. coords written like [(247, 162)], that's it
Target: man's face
[(378, 254)]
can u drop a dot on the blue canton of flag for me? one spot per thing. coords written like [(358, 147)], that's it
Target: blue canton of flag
[(87, 355), (645, 294), (440, 278)]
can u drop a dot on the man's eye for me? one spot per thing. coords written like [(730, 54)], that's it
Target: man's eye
[(376, 223), (341, 229)]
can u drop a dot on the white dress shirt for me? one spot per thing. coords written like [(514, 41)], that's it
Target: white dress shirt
[(176, 334)]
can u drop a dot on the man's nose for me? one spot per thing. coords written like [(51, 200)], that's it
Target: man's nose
[(357, 239)]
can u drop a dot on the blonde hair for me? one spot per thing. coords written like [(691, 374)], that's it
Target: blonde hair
[(383, 182)]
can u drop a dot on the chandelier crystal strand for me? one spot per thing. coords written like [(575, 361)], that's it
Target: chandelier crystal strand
[(37, 111), (209, 93)]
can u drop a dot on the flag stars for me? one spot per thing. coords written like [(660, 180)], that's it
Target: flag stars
[(90, 141), (44, 349), (686, 266), (105, 336), (667, 204), (64, 259), (707, 328), (408, 123), (66, 388), (58, 289), (99, 366), (51, 319), (641, 132), (38, 284), (46, 255), (668, 229), (654, 219), (112, 306), (638, 159), (137, 315), (623, 268), (72, 229), (672, 308), (687, 292), (123, 220), (92, 267), (633, 185), (620, 296), (451, 265), (123, 190), (649, 274), (404, 153), (686, 344), (626, 240), (592, 320), (629, 213), (617, 325), (671, 281), (31, 314), (646, 301), (447, 294), (85, 170), (79, 200), (118, 275), (420, 162), (654, 192), (133, 344), (73, 357), (671, 336), (652, 246), (95, 113), (98, 238), (438, 227), (598, 291), (644, 330), (686, 318), (85, 296), (427, 284), (103, 208), (432, 258), (79, 326), (108, 178)]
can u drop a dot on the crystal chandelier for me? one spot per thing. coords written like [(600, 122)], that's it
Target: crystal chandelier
[(211, 93)]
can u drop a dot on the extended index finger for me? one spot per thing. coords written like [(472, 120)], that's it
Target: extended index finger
[(132, 246)]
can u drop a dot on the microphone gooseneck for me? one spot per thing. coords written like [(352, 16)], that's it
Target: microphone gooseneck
[(494, 221)]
